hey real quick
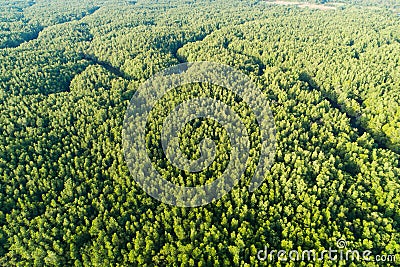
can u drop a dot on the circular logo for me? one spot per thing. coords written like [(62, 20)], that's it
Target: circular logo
[(152, 90), (341, 243)]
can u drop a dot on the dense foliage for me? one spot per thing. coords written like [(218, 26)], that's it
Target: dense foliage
[(68, 70)]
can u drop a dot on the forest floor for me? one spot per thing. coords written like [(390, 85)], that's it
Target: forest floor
[(303, 5)]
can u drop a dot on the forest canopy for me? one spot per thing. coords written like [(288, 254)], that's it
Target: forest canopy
[(68, 70)]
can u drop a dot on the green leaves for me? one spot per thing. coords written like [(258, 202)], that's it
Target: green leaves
[(66, 195)]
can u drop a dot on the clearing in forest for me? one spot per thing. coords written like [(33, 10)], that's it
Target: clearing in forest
[(303, 5)]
